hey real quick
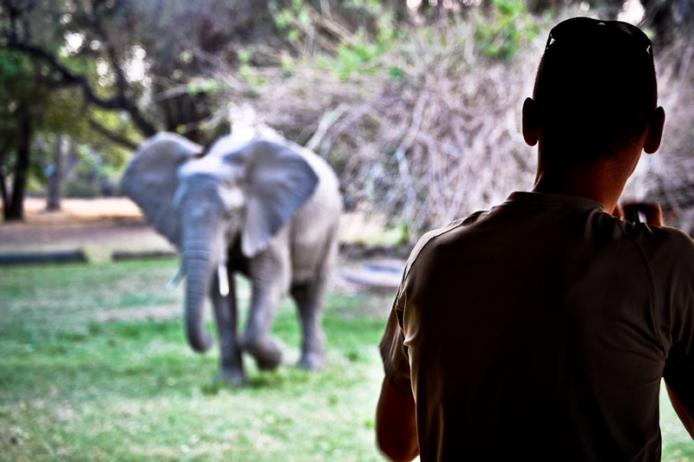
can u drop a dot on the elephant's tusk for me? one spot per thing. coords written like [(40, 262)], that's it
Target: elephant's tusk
[(223, 279), (176, 279)]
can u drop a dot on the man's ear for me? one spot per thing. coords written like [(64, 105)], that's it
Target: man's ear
[(531, 122), (655, 131)]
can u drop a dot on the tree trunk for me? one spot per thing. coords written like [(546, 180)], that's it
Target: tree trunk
[(400, 10), (3, 184), (430, 9), (55, 177), (15, 208), (3, 190)]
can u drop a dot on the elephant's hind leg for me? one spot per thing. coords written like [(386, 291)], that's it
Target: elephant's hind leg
[(309, 301)]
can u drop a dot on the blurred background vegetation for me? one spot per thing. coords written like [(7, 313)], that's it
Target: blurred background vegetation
[(415, 103)]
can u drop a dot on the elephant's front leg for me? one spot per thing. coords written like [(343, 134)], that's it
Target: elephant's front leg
[(225, 312), (269, 277)]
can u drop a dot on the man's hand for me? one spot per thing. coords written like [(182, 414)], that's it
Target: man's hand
[(635, 211), (396, 426)]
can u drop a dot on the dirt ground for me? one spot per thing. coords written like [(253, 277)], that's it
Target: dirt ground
[(96, 225), (117, 224), (101, 227)]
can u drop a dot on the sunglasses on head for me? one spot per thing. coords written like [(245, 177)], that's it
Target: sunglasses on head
[(575, 28)]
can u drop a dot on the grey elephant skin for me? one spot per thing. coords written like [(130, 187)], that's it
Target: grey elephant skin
[(265, 208)]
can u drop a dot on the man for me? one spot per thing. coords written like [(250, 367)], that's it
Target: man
[(541, 329)]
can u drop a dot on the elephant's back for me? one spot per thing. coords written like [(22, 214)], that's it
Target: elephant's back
[(315, 226), (329, 185), (326, 199)]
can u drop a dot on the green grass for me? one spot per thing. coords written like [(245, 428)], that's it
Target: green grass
[(84, 375), (75, 387)]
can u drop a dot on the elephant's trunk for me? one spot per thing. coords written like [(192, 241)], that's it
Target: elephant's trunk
[(199, 273)]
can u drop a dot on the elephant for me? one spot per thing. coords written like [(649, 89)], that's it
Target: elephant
[(262, 207)]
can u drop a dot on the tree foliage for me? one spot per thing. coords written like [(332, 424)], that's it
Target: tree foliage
[(108, 73)]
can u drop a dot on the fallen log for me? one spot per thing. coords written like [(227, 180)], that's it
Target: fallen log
[(375, 275), (121, 255), (54, 256)]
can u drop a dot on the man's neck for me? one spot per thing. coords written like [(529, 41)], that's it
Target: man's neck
[(602, 182)]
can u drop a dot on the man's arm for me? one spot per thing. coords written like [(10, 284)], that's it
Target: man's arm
[(679, 384), (684, 411), (396, 427), (681, 392)]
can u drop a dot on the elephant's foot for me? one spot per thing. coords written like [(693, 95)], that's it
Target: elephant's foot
[(312, 361), (267, 353), (233, 377)]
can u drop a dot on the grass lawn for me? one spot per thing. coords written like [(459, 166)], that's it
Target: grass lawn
[(85, 374)]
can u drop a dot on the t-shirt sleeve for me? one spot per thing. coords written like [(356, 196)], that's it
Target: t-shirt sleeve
[(679, 366), (396, 363)]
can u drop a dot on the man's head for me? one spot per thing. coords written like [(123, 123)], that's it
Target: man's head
[(595, 93)]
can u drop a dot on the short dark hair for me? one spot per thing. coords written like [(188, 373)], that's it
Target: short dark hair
[(595, 87)]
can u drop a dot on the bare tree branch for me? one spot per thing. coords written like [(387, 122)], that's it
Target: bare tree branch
[(110, 135), (68, 78), (325, 123)]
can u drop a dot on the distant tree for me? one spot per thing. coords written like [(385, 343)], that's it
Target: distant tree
[(20, 101), (55, 175), (89, 49)]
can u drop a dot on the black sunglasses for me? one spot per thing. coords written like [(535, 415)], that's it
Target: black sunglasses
[(575, 28)]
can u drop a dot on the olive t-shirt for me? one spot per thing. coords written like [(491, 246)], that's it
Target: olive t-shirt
[(540, 330)]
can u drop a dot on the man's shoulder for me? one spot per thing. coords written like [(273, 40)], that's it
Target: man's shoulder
[(676, 239), (429, 240), (667, 247), (661, 241), (668, 255)]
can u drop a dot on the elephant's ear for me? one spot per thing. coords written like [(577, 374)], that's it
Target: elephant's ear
[(150, 180), (279, 182)]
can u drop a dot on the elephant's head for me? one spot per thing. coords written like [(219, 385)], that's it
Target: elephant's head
[(204, 204)]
